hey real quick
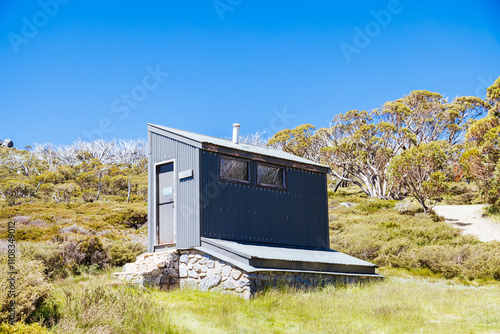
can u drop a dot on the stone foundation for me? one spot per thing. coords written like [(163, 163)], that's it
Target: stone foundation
[(196, 270)]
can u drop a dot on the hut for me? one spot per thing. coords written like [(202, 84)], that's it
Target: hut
[(260, 213)]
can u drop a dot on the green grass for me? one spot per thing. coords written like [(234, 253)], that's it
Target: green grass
[(398, 304)]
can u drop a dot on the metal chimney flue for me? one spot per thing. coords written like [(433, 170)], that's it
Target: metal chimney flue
[(236, 133)]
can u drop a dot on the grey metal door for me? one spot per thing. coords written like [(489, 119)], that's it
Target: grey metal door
[(166, 217)]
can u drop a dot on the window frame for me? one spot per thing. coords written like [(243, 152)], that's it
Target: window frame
[(227, 179), (270, 186)]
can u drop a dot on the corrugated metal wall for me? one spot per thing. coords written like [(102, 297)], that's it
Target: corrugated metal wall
[(297, 216), (187, 201)]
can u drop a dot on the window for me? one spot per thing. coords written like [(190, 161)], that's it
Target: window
[(270, 176), (234, 169)]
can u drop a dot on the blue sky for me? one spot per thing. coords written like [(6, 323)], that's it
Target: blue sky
[(83, 69)]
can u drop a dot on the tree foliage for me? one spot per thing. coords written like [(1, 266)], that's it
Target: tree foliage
[(481, 158), (419, 170), (298, 141)]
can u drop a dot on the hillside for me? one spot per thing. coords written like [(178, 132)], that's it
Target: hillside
[(77, 220)]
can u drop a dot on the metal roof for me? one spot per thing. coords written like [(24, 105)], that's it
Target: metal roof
[(251, 251), (262, 150)]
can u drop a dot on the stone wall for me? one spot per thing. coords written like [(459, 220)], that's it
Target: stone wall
[(196, 270)]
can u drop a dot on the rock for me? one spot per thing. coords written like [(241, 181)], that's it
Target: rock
[(247, 295), (236, 274), (243, 282), (129, 268), (183, 270), (171, 272), (172, 257), (164, 280), (193, 274), (191, 283), (213, 282), (161, 264), (347, 204), (184, 258), (210, 264), (229, 284), (196, 267), (226, 271), (203, 269), (203, 285), (8, 143)]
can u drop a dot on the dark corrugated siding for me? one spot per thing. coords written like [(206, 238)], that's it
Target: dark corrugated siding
[(232, 211), (187, 208)]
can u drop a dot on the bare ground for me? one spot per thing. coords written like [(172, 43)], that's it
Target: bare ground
[(469, 218)]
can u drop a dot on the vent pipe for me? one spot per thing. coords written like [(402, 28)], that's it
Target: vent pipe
[(236, 133)]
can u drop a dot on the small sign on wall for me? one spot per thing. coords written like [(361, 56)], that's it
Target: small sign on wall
[(167, 191), (185, 174)]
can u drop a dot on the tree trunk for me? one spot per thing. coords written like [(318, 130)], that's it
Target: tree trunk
[(129, 189)]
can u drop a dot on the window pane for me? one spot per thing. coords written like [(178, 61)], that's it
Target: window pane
[(234, 169), (270, 176)]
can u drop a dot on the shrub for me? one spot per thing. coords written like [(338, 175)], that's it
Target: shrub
[(124, 252), (89, 195), (117, 183), (94, 251), (21, 328), (63, 255), (15, 191), (102, 309), (86, 251), (31, 288), (68, 172), (373, 205), (49, 253), (50, 177), (63, 192), (74, 229), (143, 192), (46, 189), (130, 218)]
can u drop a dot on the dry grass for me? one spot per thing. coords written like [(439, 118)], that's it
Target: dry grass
[(396, 305)]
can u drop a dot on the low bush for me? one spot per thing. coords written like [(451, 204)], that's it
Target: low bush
[(30, 286), (15, 192), (85, 250), (122, 252), (374, 205), (64, 255), (404, 238), (130, 218), (21, 328), (113, 310), (49, 253)]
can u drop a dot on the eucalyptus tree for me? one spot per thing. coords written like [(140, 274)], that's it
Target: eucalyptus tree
[(481, 159)]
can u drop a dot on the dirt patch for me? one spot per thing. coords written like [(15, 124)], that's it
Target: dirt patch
[(469, 218)]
